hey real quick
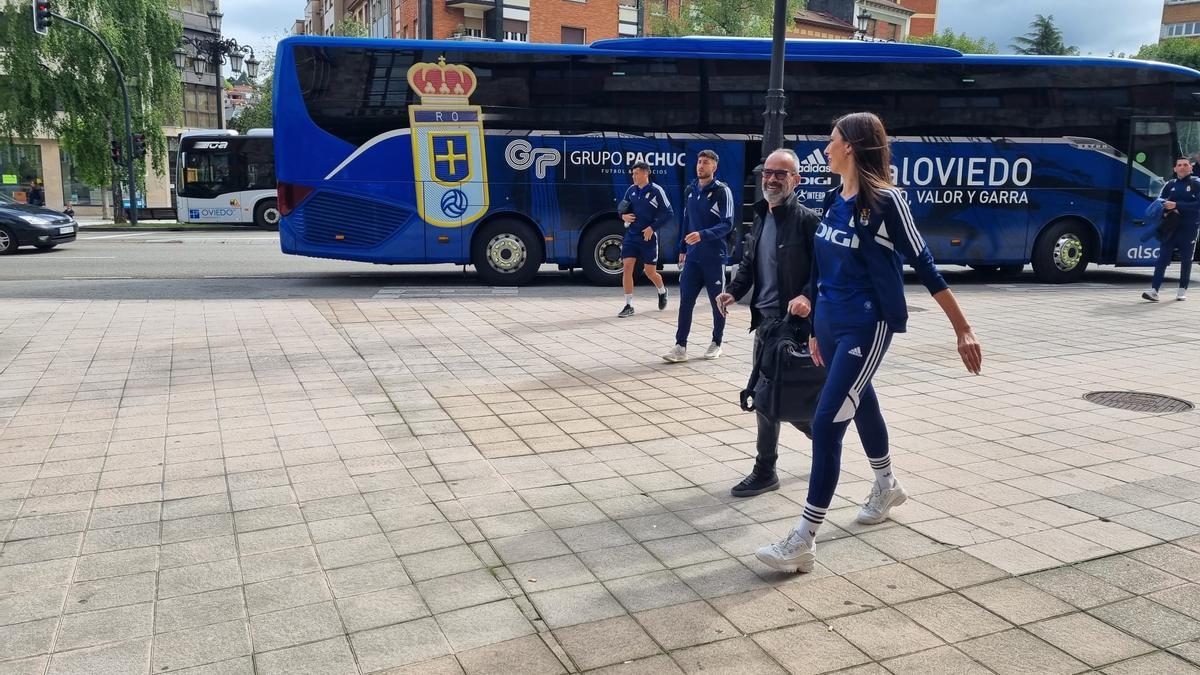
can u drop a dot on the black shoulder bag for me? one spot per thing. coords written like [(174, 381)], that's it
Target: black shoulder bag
[(785, 384)]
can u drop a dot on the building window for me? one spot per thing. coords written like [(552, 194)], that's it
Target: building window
[(1181, 29), (201, 105), (19, 166), (574, 36), (516, 31), (75, 191)]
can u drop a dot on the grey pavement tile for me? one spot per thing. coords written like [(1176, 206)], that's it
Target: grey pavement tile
[(902, 543), (650, 591), (656, 526), (895, 583), (133, 514), (373, 576), (1064, 546), (116, 538), (760, 610), (199, 646), (1173, 559), (810, 648), (34, 666), (62, 503), (1183, 599), (44, 526), (1157, 524), (472, 627), (550, 573), (441, 562), (1016, 651), (345, 527), (594, 536), (522, 655), (461, 590), (1077, 587), (347, 552), (122, 658), (197, 551), (884, 633), (953, 618), (41, 548), (738, 655), (1158, 663), (445, 665), (328, 657), (1089, 640), (26, 639), (202, 609), (277, 594), (654, 665), (87, 629), (830, 596), (1189, 651), (687, 550), (571, 515), (601, 643), (274, 539), (956, 569), (425, 538), (1017, 601), (720, 577), (295, 626), (278, 564), (197, 527), (110, 592), (1131, 575), (575, 605), (938, 661), (1011, 556), (685, 625), (15, 578), (408, 517), (399, 645), (198, 578), (381, 608), (1150, 621), (619, 561)]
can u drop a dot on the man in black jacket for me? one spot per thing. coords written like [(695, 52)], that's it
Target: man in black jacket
[(776, 265)]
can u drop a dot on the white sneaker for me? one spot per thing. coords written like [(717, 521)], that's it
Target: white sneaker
[(678, 354), (880, 502), (713, 351), (1151, 295), (1181, 294), (793, 554)]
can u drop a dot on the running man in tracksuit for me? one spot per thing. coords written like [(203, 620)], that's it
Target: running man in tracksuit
[(707, 220), (1182, 194), (649, 211), (858, 304)]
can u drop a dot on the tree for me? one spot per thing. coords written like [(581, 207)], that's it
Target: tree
[(740, 18), (256, 115), (62, 84), (960, 41), (1182, 51), (1043, 38), (350, 28)]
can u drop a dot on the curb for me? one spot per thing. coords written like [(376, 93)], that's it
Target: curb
[(120, 228)]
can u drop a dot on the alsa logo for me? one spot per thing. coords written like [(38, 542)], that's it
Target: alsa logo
[(211, 145), (521, 155), (839, 237), (1142, 253), (815, 163)]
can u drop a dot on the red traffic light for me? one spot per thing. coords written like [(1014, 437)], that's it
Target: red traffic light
[(41, 16)]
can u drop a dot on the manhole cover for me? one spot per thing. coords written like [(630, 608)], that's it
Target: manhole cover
[(1139, 401)]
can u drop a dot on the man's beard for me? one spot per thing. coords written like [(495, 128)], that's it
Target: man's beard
[(776, 198)]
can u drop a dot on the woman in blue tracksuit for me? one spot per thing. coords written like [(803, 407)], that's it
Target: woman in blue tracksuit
[(865, 236)]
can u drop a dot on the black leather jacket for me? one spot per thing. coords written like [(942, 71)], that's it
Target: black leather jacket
[(795, 226)]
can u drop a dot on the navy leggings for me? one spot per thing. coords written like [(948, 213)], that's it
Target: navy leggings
[(852, 353), (696, 277)]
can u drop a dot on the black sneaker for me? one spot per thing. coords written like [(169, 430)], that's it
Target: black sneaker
[(758, 482), (628, 311), (662, 300)]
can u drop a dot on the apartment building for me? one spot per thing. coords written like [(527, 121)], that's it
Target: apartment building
[(1180, 18)]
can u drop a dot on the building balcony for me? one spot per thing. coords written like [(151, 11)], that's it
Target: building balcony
[(471, 4)]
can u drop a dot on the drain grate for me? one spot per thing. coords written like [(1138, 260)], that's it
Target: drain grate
[(1139, 401)]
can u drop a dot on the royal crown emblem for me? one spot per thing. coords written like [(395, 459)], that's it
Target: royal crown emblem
[(441, 83), (448, 145)]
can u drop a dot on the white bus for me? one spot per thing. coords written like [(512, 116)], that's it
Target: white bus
[(227, 178)]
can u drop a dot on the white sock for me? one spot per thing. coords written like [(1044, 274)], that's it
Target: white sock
[(662, 290), (810, 522), (882, 467)]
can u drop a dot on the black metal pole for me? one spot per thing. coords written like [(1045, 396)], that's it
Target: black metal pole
[(133, 218), (498, 20), (773, 127)]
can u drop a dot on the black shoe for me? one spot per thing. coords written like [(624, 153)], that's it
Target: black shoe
[(662, 300), (628, 311), (758, 482)]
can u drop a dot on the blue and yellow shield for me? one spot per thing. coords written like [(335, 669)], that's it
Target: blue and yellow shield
[(449, 163)]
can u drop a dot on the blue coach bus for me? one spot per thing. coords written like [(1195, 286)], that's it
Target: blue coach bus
[(509, 156)]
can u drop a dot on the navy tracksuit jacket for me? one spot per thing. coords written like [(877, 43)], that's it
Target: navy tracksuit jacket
[(709, 211)]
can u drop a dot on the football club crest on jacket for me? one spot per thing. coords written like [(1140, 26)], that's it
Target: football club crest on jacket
[(447, 136)]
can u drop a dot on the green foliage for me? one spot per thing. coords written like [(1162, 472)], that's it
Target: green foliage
[(1043, 38), (960, 41), (63, 84), (1181, 51), (257, 115), (350, 28), (740, 18)]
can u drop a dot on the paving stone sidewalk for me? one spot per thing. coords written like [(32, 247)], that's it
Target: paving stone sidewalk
[(518, 484)]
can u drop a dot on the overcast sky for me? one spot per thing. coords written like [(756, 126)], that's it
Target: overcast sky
[(1096, 26)]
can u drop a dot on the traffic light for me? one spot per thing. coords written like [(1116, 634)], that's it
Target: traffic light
[(115, 150), (139, 146), (41, 16)]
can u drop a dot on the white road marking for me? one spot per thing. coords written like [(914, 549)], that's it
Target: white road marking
[(114, 236)]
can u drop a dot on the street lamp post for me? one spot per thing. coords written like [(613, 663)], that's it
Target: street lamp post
[(773, 126), (205, 51)]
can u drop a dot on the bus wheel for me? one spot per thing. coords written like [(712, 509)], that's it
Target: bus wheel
[(266, 215), (1061, 253), (600, 253), (506, 253)]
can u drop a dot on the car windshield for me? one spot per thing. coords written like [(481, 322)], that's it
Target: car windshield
[(6, 199)]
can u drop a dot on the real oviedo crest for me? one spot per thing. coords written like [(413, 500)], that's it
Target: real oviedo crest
[(447, 136)]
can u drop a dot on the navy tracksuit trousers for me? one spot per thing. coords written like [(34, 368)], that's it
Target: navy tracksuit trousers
[(700, 275)]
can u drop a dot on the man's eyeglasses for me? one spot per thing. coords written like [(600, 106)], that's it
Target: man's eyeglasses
[(779, 174)]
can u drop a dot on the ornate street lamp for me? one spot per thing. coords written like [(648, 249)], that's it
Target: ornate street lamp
[(863, 20), (214, 20), (209, 50)]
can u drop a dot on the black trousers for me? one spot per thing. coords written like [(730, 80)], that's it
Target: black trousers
[(767, 444)]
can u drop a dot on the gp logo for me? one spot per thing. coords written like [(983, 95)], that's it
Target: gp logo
[(521, 155)]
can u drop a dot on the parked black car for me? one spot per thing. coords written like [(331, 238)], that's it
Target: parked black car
[(25, 225)]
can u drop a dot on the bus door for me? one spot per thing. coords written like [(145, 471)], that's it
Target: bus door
[(1152, 151), (211, 187)]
